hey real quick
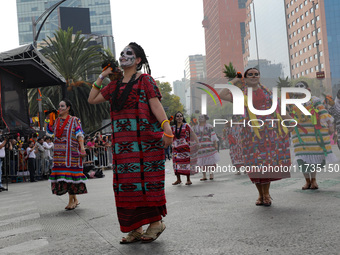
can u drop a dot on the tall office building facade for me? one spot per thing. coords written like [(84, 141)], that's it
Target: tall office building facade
[(195, 71), (314, 39), (266, 40), (179, 90), (100, 19), (225, 31)]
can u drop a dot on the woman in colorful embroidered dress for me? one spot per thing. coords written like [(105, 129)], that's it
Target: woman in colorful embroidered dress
[(182, 154), (67, 172), (266, 146), (207, 155), (334, 110), (311, 138), (234, 135), (137, 145)]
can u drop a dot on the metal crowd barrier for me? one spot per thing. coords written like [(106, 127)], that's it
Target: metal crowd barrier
[(100, 156), (15, 167)]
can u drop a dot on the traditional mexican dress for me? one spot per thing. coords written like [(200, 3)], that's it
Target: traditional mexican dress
[(335, 112), (310, 138), (138, 155), (234, 136), (207, 154), (22, 163), (265, 146), (182, 154), (67, 173)]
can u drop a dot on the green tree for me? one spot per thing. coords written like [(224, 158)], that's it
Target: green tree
[(72, 55), (170, 102), (76, 60)]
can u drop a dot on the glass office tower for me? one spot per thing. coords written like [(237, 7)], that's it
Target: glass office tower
[(332, 10), (100, 19)]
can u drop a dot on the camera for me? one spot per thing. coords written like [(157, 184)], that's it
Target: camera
[(6, 136)]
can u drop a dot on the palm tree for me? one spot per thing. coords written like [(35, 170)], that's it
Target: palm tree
[(283, 83), (75, 60), (229, 71), (72, 56)]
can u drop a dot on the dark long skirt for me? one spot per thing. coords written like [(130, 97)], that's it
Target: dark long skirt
[(133, 218)]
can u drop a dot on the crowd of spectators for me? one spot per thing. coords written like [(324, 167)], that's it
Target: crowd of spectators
[(26, 157), (31, 158)]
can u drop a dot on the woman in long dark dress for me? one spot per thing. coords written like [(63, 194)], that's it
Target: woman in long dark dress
[(138, 143), (183, 156)]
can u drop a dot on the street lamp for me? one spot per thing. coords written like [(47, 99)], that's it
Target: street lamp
[(317, 42), (35, 22), (159, 77)]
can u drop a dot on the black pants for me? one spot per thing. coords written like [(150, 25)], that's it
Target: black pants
[(31, 168)]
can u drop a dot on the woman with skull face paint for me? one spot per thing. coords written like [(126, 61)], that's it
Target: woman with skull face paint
[(311, 137), (263, 146), (207, 155), (138, 142), (67, 173), (333, 106)]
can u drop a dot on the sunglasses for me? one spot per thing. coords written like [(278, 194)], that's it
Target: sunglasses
[(252, 74)]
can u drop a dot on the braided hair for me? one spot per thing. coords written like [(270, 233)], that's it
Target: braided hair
[(139, 52)]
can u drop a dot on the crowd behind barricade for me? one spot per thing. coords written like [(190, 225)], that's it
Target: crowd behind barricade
[(31, 158), (99, 154)]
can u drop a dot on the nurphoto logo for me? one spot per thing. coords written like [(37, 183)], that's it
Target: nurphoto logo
[(238, 108)]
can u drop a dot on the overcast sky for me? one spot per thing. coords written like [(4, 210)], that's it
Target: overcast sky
[(169, 31)]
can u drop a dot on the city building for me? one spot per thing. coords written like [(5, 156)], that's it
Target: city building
[(314, 39), (100, 19), (266, 39), (269, 71), (195, 71), (179, 90), (225, 31)]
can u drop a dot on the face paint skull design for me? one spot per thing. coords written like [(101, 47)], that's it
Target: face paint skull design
[(300, 85), (127, 57), (201, 118)]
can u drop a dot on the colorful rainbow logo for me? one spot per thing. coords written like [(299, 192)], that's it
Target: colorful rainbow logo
[(208, 92)]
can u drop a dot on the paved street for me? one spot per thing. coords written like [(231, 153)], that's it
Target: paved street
[(212, 217)]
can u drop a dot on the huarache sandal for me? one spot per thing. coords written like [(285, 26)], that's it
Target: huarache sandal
[(188, 183), (153, 233), (176, 183), (71, 207), (306, 186), (314, 186), (259, 201), (267, 201), (203, 179), (132, 237)]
